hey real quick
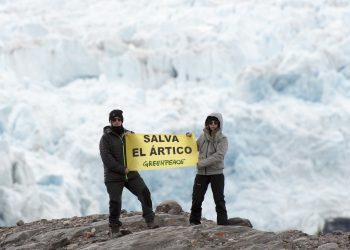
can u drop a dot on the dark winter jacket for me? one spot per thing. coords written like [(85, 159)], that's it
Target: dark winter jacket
[(112, 154), (212, 150)]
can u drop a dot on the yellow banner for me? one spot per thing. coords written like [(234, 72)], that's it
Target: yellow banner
[(158, 151)]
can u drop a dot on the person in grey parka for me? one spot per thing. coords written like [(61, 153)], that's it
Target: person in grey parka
[(212, 145)]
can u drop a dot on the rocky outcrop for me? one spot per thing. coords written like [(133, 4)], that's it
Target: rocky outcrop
[(92, 232)]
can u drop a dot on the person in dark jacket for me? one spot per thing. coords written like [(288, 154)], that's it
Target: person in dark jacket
[(117, 175), (212, 145)]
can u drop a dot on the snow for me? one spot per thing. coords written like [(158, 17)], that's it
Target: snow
[(277, 70)]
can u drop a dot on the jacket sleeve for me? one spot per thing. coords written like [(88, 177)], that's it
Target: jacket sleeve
[(200, 142), (108, 159), (217, 157)]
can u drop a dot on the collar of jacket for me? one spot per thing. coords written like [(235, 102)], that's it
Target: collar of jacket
[(214, 137), (108, 130)]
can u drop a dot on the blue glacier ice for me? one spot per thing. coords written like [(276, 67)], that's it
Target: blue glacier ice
[(278, 71)]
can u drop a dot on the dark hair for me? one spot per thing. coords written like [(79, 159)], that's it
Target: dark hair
[(211, 118), (116, 113)]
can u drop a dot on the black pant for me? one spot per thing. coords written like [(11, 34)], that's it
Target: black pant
[(200, 187), (136, 186)]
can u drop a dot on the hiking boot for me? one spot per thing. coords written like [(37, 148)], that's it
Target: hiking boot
[(152, 225), (194, 223), (114, 229)]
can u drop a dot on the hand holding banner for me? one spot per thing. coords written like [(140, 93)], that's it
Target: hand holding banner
[(158, 151)]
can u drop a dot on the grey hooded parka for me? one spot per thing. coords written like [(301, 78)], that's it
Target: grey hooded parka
[(212, 150)]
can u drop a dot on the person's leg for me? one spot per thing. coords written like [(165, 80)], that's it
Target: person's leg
[(199, 189), (217, 186), (115, 190), (138, 187)]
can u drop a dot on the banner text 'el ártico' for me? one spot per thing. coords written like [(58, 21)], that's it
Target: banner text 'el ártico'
[(158, 151)]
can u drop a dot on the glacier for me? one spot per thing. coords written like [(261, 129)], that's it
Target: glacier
[(277, 70)]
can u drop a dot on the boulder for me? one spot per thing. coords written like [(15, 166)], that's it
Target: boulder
[(240, 222), (169, 207)]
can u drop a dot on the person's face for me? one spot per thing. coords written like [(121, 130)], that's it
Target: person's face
[(116, 122), (213, 125)]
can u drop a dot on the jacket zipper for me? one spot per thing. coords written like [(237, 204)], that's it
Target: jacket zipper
[(121, 139), (206, 156)]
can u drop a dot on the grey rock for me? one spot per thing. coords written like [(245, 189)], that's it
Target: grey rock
[(170, 207), (328, 246), (19, 237), (30, 246), (66, 223), (20, 223), (72, 246), (313, 237), (240, 222), (301, 239), (59, 243)]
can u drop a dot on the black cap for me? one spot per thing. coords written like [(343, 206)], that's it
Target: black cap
[(116, 113)]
